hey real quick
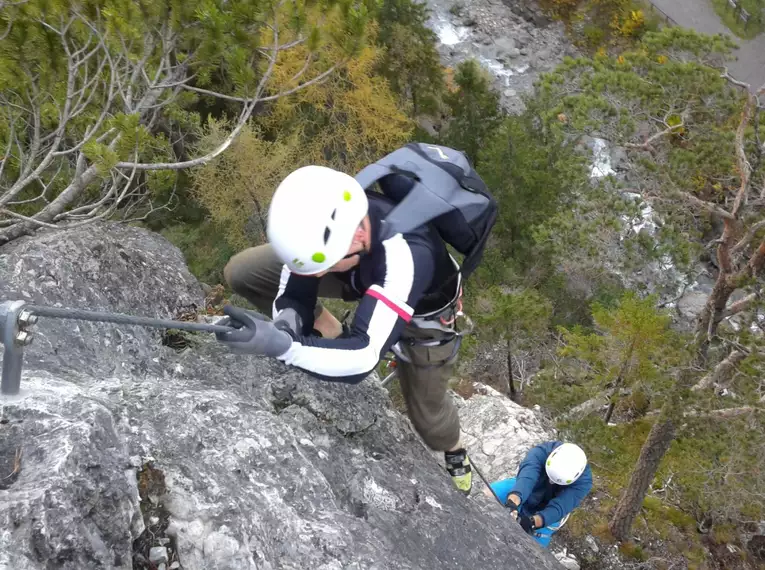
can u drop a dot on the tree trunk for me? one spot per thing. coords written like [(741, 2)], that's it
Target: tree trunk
[(725, 414), (587, 407), (656, 445), (261, 218), (510, 379), (78, 185), (712, 314)]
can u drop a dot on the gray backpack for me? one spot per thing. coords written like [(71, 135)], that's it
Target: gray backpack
[(435, 184)]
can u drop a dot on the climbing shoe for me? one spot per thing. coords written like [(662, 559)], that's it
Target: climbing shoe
[(458, 466)]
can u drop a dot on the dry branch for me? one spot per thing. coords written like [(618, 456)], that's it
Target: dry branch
[(107, 75)]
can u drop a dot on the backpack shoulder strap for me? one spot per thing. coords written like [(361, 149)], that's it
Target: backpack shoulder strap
[(371, 174)]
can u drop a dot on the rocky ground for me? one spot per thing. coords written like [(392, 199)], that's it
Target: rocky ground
[(514, 41)]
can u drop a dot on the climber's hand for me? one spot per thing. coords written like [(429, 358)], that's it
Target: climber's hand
[(254, 334), (513, 503), (527, 524)]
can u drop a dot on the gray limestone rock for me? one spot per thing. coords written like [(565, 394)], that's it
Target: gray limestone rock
[(233, 462), (73, 501), (98, 267), (158, 555), (692, 303), (504, 44), (498, 432), (567, 561)]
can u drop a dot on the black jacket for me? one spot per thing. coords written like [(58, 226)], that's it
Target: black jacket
[(393, 281)]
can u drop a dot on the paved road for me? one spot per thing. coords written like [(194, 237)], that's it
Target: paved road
[(700, 15)]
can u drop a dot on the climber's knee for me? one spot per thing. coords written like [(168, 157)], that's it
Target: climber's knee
[(254, 274)]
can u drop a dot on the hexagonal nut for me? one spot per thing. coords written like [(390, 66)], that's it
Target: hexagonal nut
[(27, 318), (24, 338)]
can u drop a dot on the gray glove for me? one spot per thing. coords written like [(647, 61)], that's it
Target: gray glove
[(254, 334)]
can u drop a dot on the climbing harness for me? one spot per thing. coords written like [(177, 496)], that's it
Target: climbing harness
[(17, 319), (440, 322)]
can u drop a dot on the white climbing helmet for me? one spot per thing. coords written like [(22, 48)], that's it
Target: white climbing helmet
[(313, 216), (565, 464)]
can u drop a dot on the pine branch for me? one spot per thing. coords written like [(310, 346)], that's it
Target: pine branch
[(741, 305), (748, 237), (744, 167)]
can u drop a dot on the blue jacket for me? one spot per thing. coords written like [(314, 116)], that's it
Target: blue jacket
[(542, 497)]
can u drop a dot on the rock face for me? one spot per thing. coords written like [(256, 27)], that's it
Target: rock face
[(231, 462), (96, 267), (498, 432)]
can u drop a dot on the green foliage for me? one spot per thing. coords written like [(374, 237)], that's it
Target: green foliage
[(711, 467), (107, 80), (474, 111), (101, 155), (552, 218), (345, 122), (635, 405), (535, 174), (634, 551), (716, 465), (663, 91), (666, 104), (521, 317), (612, 452), (556, 393), (236, 187), (204, 247), (614, 448), (597, 24), (551, 215), (633, 345), (410, 63)]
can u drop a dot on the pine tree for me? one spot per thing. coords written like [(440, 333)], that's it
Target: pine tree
[(101, 97), (473, 109)]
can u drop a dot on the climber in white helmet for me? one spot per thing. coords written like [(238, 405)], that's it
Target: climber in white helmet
[(552, 481), (324, 241)]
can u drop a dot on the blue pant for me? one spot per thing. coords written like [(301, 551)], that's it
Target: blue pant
[(542, 535)]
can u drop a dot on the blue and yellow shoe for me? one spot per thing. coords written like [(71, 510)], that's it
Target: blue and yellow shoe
[(458, 466)]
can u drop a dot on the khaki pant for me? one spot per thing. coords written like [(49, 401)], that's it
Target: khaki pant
[(254, 274)]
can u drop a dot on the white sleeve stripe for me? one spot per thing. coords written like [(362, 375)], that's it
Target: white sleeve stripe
[(397, 287), (284, 277), (399, 268)]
